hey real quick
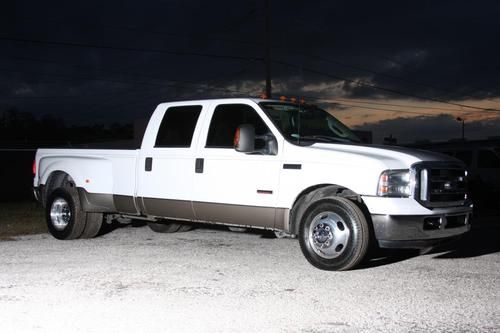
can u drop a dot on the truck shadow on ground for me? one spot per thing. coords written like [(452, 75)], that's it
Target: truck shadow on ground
[(483, 238), (382, 257), (110, 227)]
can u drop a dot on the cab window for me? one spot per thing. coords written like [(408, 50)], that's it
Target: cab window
[(177, 127), (225, 121)]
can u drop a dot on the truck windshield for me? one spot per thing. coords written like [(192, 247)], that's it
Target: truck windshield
[(307, 124)]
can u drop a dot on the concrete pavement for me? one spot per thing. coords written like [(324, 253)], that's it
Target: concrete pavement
[(212, 280)]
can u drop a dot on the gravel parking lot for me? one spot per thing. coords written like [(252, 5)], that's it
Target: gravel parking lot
[(212, 280)]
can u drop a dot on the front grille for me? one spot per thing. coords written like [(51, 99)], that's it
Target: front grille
[(441, 185)]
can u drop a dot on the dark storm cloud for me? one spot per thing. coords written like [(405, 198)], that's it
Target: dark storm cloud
[(142, 78), (428, 48), (437, 128), (442, 50)]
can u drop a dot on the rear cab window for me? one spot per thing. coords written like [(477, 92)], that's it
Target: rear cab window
[(177, 127)]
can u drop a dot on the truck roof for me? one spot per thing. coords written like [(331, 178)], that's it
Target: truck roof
[(225, 99)]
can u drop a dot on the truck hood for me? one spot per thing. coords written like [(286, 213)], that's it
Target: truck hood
[(389, 157)]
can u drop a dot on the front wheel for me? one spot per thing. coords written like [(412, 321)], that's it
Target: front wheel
[(334, 234)]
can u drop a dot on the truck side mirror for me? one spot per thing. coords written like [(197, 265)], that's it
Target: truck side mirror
[(244, 138)]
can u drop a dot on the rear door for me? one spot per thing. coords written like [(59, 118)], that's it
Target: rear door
[(166, 165), (229, 186)]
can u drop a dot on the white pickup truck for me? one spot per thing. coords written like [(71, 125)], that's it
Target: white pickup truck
[(259, 163)]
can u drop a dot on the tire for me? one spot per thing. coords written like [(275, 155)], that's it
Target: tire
[(64, 216), (334, 234), (169, 227), (185, 227), (93, 225)]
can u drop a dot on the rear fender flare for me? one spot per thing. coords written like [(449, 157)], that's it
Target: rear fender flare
[(94, 174)]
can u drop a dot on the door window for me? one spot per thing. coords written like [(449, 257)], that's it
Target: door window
[(225, 121), (177, 127)]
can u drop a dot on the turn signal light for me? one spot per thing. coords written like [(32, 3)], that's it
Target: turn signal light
[(294, 100)]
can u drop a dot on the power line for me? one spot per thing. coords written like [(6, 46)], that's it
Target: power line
[(133, 49), (371, 71), (385, 89), (448, 92), (162, 85), (357, 82), (386, 110), (86, 78), (118, 93), (397, 105), (98, 107), (337, 62), (341, 102), (335, 102), (149, 31), (122, 81), (120, 72)]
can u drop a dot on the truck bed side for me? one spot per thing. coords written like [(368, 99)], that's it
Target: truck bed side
[(100, 175)]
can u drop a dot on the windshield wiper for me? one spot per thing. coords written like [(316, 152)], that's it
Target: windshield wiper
[(324, 138)]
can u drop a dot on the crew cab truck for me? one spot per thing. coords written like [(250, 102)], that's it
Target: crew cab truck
[(259, 163)]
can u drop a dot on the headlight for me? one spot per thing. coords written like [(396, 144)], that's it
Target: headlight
[(394, 183)]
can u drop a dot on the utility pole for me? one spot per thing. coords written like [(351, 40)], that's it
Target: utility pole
[(463, 127), (267, 57)]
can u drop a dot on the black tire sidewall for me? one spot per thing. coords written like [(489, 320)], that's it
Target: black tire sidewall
[(355, 247), (93, 225), (70, 231)]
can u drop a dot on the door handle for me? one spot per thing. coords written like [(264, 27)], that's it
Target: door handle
[(198, 166), (149, 164)]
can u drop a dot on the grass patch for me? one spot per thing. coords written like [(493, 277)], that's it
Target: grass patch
[(21, 218)]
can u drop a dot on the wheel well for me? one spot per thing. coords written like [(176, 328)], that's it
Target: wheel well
[(317, 192), (307, 191), (56, 180)]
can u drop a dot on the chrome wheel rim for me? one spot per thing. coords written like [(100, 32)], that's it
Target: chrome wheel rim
[(60, 214), (328, 235)]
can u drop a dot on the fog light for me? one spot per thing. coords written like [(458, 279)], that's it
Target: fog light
[(432, 223)]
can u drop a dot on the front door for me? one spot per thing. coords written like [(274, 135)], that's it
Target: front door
[(229, 186)]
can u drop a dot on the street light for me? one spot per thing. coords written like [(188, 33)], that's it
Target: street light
[(463, 127)]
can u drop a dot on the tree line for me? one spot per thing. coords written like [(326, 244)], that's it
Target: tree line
[(25, 129)]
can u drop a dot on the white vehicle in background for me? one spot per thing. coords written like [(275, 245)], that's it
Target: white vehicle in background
[(260, 164)]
